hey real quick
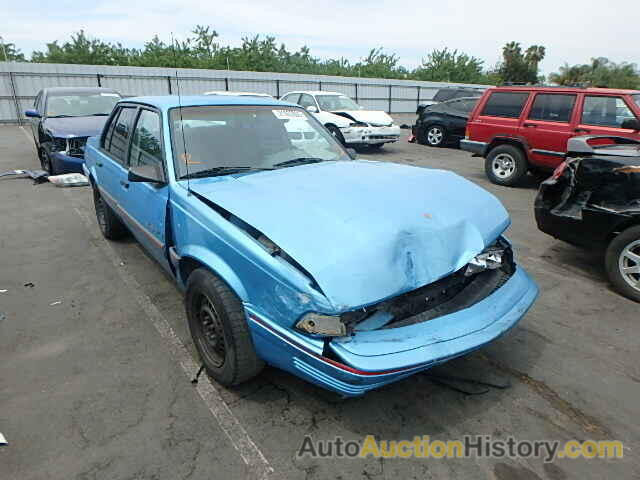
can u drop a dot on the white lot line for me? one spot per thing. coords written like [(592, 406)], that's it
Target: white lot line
[(230, 425)]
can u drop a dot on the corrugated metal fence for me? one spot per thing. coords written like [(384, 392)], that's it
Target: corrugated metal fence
[(20, 83)]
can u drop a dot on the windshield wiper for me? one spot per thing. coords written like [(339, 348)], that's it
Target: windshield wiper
[(60, 116), (99, 114), (299, 161), (218, 171)]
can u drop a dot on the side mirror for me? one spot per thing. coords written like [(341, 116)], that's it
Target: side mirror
[(312, 109), (32, 114), (147, 173), (352, 153), (631, 124)]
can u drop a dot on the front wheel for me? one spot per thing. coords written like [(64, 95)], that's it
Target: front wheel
[(219, 329), (506, 165), (336, 133), (622, 262), (46, 163)]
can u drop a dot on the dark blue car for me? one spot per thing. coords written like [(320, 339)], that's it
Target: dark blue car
[(61, 121), (349, 273)]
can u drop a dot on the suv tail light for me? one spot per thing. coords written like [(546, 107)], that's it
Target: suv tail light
[(557, 173)]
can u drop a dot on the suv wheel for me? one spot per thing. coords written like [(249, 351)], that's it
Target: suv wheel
[(622, 263), (506, 165)]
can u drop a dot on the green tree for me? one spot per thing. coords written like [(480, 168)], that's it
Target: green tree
[(518, 66), (9, 53), (601, 72), (450, 66)]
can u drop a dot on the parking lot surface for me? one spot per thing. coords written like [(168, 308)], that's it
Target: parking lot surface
[(96, 361)]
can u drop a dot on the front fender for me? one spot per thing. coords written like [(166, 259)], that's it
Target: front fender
[(216, 265)]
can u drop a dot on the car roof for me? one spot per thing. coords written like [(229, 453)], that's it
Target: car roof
[(317, 92), (70, 90), (166, 102), (239, 94), (600, 91)]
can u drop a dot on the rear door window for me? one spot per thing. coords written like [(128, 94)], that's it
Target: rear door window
[(306, 101), (552, 107), (605, 111), (122, 127), (505, 104)]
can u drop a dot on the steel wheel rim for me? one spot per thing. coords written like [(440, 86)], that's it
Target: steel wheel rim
[(211, 336), (100, 214), (629, 264), (503, 165), (434, 136)]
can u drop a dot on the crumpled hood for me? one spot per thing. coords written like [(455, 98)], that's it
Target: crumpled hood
[(68, 127), (365, 230), (368, 116)]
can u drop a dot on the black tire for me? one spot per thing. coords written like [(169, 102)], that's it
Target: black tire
[(506, 165), (433, 136), (624, 252), (219, 329), (376, 146), (337, 134), (46, 163), (110, 224)]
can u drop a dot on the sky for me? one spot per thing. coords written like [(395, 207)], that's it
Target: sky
[(572, 32)]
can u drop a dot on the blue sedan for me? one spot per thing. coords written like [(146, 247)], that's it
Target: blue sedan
[(348, 273)]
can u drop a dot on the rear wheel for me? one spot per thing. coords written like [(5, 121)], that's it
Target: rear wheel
[(219, 329), (110, 225), (434, 136), (506, 165), (622, 262)]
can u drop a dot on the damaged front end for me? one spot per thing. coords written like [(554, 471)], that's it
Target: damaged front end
[(593, 193), (482, 276)]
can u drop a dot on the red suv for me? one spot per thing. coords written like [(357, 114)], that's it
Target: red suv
[(522, 129)]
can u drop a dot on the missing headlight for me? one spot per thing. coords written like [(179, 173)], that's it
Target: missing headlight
[(320, 324), (497, 255)]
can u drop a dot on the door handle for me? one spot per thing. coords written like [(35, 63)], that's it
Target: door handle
[(98, 164), (530, 125), (582, 130), (124, 184)]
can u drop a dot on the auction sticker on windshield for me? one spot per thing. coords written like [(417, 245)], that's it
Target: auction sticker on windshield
[(289, 114)]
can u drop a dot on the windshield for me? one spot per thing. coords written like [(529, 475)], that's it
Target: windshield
[(330, 103), (81, 105), (246, 138), (636, 98)]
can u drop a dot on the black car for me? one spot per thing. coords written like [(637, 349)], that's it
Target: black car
[(61, 121), (593, 200), (443, 123)]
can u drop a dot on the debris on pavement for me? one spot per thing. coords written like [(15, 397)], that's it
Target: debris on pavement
[(29, 285), (69, 180), (2, 316), (53, 304), (4, 291), (3, 441), (38, 176)]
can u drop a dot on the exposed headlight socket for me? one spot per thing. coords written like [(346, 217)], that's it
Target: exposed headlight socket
[(320, 324)]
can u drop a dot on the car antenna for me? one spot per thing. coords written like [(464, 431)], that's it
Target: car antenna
[(184, 140)]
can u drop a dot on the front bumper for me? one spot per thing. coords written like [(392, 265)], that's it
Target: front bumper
[(371, 135), (65, 163), (477, 148), (443, 339)]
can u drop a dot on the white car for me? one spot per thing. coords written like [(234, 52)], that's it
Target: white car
[(346, 120), (237, 94)]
